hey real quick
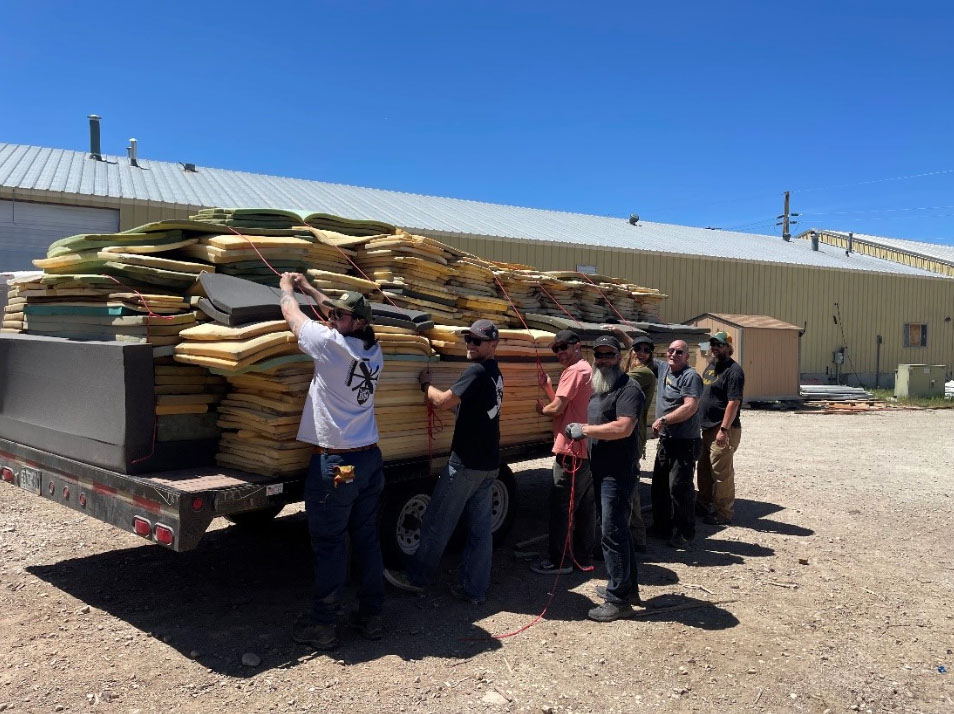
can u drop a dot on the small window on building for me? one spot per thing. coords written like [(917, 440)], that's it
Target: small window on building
[(586, 269), (915, 334)]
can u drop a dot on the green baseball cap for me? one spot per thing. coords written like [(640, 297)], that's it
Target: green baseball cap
[(722, 337), (355, 303)]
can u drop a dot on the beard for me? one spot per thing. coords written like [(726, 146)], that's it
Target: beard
[(604, 378)]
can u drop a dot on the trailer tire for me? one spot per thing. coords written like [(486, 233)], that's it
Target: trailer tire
[(258, 518), (403, 509)]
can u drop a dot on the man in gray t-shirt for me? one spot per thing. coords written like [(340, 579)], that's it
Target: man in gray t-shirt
[(678, 390)]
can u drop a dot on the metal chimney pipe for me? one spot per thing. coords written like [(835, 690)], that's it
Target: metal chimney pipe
[(131, 150), (814, 236), (95, 148), (851, 243)]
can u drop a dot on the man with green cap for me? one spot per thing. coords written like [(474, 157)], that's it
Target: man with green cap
[(723, 382), (346, 474)]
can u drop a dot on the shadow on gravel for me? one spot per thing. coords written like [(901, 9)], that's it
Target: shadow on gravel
[(752, 515), (240, 592)]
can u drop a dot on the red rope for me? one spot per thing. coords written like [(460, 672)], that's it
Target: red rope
[(545, 292), (533, 340), (607, 300)]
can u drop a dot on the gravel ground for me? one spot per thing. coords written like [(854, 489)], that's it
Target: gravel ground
[(831, 592)]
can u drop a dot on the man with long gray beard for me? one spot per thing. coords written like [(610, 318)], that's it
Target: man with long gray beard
[(612, 415)]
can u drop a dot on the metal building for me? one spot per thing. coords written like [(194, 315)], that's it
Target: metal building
[(856, 310)]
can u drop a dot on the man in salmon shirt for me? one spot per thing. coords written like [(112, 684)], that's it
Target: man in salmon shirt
[(568, 405)]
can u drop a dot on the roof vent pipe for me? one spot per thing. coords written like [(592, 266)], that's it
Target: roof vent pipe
[(95, 149), (814, 236), (851, 242), (131, 150)]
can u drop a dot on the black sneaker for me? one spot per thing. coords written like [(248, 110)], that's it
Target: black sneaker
[(714, 519), (601, 592), (679, 542), (370, 626), (610, 611), (548, 567), (458, 592), (401, 581), (321, 637)]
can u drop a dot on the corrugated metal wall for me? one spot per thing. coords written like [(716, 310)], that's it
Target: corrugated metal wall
[(869, 303)]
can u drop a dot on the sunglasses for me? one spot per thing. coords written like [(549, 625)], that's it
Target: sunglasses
[(471, 340), (605, 355), (676, 352), (560, 347), (337, 313), (644, 348)]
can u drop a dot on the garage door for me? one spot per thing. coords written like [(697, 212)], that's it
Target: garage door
[(26, 229)]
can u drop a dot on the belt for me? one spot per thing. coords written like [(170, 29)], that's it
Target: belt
[(325, 450)]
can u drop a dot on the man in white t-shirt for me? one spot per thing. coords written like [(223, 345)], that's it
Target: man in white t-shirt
[(346, 474)]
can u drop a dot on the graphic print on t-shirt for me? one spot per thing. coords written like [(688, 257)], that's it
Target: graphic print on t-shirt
[(362, 379), (494, 411)]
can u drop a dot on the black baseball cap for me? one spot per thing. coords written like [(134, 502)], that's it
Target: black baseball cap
[(355, 303), (482, 329), (643, 340), (567, 336), (606, 341)]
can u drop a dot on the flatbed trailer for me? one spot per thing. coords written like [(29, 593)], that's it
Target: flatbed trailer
[(175, 508)]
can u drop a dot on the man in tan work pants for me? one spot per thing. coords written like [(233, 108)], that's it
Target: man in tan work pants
[(723, 382)]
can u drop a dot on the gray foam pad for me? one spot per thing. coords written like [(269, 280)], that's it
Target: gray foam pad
[(242, 301), (89, 401)]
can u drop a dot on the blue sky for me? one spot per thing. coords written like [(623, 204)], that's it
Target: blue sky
[(693, 113)]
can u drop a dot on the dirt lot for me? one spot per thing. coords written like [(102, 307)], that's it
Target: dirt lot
[(92, 620)]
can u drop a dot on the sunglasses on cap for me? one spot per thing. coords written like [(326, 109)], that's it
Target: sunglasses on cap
[(605, 354), (471, 340), (675, 352)]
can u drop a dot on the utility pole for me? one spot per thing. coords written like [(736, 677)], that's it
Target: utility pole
[(786, 219)]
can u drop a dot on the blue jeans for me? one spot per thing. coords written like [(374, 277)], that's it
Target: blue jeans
[(459, 490), (334, 513), (619, 555)]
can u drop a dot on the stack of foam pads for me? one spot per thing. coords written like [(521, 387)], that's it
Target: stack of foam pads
[(598, 297), (413, 272), (334, 285), (12, 308), (245, 255), (522, 286)]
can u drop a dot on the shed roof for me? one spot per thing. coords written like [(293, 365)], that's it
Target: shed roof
[(40, 169), (762, 322)]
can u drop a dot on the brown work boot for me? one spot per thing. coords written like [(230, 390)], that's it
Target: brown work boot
[(321, 637)]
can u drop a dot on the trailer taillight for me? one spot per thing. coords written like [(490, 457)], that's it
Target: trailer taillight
[(164, 534), (82, 500), (198, 503), (66, 493), (7, 474), (142, 527)]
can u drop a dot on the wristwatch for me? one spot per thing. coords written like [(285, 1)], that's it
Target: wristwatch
[(663, 421)]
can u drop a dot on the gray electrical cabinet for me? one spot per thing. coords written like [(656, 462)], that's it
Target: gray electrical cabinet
[(920, 380)]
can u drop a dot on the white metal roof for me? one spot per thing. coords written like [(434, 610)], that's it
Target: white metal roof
[(58, 170), (935, 251)]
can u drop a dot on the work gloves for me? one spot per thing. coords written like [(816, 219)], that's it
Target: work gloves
[(574, 431)]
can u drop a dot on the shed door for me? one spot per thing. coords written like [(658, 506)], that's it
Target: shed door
[(27, 229)]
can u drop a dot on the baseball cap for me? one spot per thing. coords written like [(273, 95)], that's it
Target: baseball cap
[(643, 340), (355, 303), (606, 341), (482, 329), (567, 336), (721, 337)]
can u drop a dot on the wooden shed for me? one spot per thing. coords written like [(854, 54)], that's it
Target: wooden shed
[(767, 349)]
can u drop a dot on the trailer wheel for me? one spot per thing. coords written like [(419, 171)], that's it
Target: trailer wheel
[(256, 519), (403, 511)]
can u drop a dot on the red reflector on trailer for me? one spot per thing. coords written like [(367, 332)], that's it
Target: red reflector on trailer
[(66, 493), (82, 500), (198, 503), (7, 474), (102, 488), (52, 488), (163, 534), (143, 502), (142, 526)]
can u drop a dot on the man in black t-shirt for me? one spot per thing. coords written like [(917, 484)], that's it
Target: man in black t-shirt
[(723, 382), (465, 484), (612, 415)]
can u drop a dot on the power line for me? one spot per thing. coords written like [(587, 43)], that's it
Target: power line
[(870, 181)]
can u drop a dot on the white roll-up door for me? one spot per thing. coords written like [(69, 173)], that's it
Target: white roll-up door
[(27, 229)]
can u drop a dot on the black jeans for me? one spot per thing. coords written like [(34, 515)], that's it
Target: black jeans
[(584, 512), (619, 554), (673, 490)]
